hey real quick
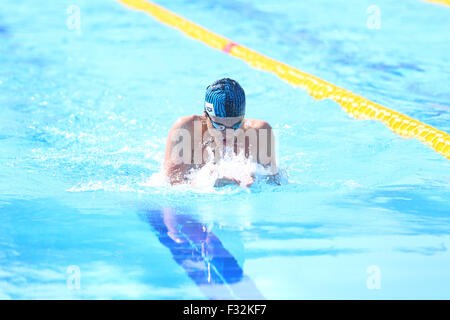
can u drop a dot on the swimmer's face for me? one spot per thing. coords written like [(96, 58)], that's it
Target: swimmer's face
[(216, 123), (221, 124)]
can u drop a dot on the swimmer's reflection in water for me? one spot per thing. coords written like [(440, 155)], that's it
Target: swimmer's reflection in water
[(201, 254)]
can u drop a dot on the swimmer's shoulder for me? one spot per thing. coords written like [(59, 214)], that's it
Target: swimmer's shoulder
[(186, 122), (256, 124)]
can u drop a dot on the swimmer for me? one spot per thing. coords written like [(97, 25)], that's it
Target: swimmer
[(196, 140)]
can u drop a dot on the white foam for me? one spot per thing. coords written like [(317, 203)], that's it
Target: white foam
[(158, 179), (231, 166), (202, 180)]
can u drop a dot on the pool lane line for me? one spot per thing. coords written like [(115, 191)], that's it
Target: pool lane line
[(201, 254), (355, 105)]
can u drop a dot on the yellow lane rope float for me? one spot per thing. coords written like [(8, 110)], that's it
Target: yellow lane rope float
[(355, 105), (446, 2)]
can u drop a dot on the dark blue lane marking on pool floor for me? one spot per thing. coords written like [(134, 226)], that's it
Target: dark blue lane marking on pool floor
[(202, 255)]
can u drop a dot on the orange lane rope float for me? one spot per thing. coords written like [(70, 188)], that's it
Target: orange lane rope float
[(355, 105)]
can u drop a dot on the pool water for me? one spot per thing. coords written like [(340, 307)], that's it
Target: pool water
[(364, 214)]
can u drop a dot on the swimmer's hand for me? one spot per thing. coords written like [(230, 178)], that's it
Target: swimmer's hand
[(230, 180), (273, 179), (249, 181), (221, 182)]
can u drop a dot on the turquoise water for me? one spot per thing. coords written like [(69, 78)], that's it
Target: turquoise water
[(85, 114)]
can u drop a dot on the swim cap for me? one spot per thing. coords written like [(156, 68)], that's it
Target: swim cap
[(225, 99)]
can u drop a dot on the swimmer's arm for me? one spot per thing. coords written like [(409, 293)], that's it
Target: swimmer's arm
[(267, 157), (175, 167), (270, 161)]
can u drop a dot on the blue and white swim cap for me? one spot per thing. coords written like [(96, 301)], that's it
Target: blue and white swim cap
[(225, 98)]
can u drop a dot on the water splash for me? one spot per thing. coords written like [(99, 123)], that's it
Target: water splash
[(230, 171)]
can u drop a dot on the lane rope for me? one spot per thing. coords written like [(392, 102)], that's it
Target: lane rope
[(356, 106), (444, 2)]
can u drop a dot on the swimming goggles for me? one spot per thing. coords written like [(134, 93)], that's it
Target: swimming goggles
[(221, 127)]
